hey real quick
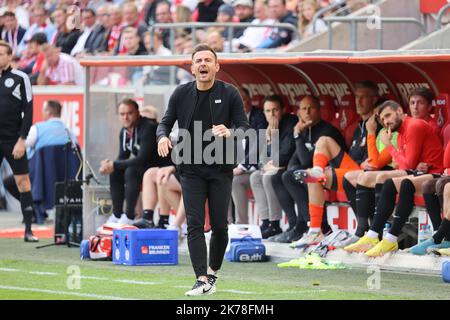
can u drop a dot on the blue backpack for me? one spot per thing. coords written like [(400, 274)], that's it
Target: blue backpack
[(246, 249)]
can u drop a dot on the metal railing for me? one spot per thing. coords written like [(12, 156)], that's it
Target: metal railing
[(325, 10), (441, 13), (340, 5), (231, 26), (353, 21)]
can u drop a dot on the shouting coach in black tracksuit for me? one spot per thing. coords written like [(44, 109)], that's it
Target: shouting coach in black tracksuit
[(218, 106)]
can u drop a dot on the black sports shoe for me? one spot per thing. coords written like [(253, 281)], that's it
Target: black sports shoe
[(288, 236), (263, 227), (161, 225), (201, 288), (271, 231), (144, 224)]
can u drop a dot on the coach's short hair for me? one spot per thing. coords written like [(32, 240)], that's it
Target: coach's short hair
[(275, 98), (389, 103), (203, 47), (315, 100), (368, 84), (54, 107), (129, 102)]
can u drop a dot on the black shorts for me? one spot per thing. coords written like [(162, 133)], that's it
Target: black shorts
[(18, 166)]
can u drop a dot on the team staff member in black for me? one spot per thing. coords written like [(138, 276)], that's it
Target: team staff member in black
[(16, 98), (309, 128), (137, 153), (218, 106)]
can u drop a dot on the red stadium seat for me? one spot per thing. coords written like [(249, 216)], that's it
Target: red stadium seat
[(441, 109), (446, 134), (432, 6), (327, 108), (330, 196), (335, 196), (341, 196), (419, 201), (347, 118)]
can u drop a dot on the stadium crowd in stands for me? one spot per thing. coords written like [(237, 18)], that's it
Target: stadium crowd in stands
[(119, 27)]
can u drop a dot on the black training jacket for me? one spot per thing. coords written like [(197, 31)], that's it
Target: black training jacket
[(226, 108), (16, 98), (139, 149)]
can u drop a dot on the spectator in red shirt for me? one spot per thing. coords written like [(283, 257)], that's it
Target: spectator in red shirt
[(32, 59), (115, 14), (130, 19)]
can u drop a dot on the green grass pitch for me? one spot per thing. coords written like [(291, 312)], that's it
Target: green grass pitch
[(28, 273)]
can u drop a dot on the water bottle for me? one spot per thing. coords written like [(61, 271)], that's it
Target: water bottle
[(78, 231), (387, 226), (70, 232), (428, 233), (424, 233)]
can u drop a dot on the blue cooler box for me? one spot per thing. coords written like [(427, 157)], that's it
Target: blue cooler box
[(446, 271), (145, 247)]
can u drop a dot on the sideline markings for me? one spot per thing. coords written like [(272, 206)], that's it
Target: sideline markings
[(43, 273), (128, 281), (67, 293)]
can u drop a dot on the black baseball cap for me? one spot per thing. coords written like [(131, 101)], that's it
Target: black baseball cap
[(39, 37)]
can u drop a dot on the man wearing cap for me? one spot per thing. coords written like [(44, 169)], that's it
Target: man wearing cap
[(224, 15), (244, 11)]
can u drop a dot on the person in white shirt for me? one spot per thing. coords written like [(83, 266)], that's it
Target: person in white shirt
[(88, 19), (252, 37), (59, 68), (156, 74)]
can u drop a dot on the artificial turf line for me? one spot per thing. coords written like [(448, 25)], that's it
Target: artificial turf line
[(67, 293)]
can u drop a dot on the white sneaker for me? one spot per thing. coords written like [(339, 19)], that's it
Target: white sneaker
[(124, 220), (112, 219), (184, 231), (173, 227), (346, 242), (201, 288), (308, 239)]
